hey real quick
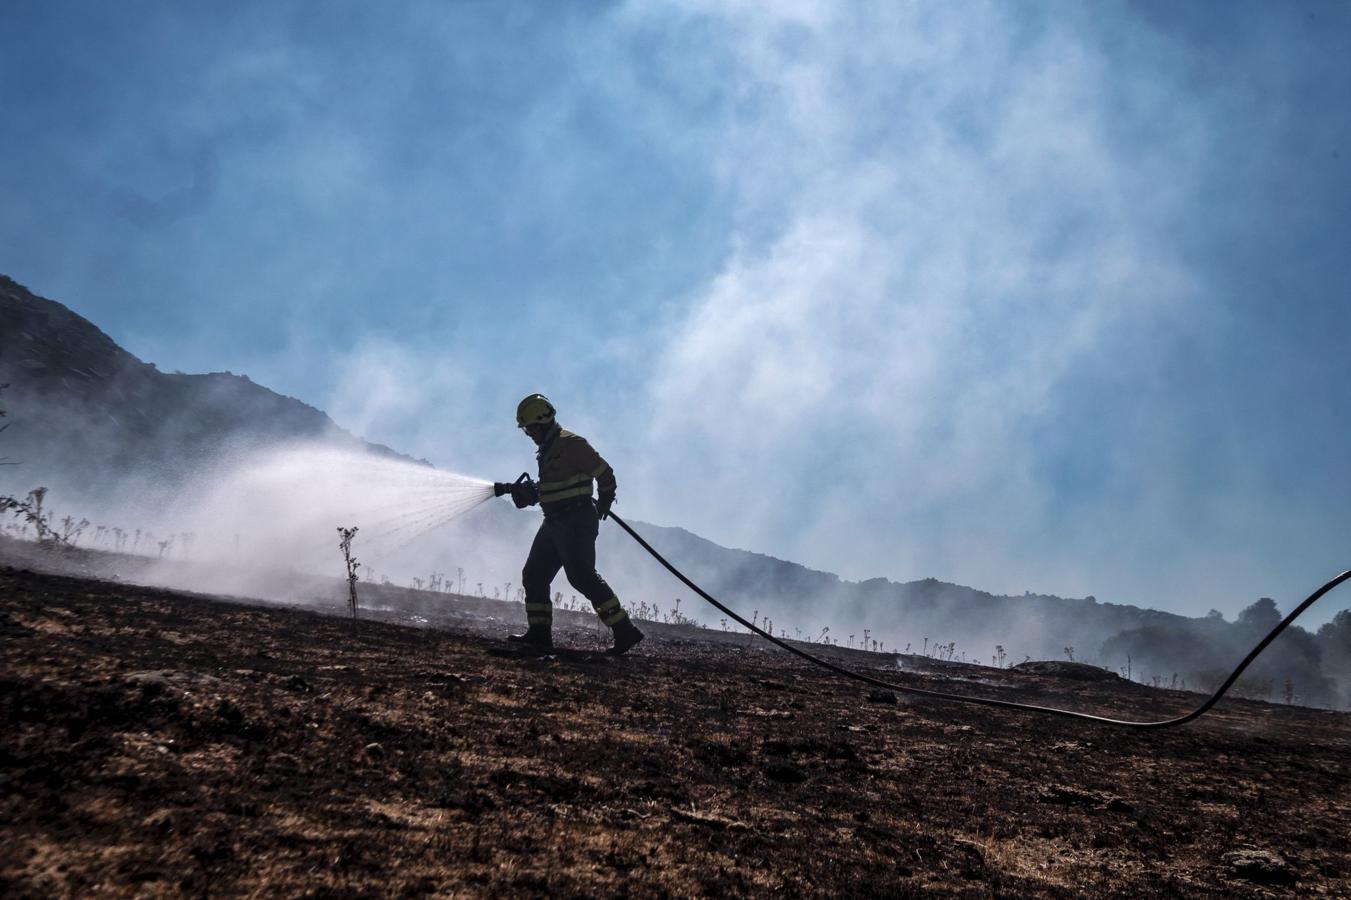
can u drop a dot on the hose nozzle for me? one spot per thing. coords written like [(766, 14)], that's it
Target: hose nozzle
[(523, 491)]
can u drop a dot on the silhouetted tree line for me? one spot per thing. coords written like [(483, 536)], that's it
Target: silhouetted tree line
[(1308, 668)]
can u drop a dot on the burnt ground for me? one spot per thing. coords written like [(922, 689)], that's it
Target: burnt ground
[(162, 743)]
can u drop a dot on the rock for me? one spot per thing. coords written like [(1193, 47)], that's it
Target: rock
[(166, 678), (1116, 804), (150, 679), (375, 750), (1260, 867), (880, 696)]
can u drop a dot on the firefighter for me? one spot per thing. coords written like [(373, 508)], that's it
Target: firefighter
[(567, 537)]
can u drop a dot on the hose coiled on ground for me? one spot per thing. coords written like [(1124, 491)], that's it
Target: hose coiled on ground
[(984, 701)]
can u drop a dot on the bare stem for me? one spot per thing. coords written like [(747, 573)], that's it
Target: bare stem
[(346, 546)]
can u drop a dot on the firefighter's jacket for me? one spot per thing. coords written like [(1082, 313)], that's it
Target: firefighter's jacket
[(567, 466)]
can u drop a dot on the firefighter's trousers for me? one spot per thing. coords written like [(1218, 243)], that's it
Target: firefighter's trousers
[(567, 540)]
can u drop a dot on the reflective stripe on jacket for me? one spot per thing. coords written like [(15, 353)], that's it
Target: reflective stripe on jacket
[(567, 465)]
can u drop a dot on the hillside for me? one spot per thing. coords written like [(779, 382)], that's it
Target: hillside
[(86, 414), (161, 743)]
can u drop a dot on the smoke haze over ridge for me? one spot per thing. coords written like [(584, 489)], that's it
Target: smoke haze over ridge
[(1020, 298)]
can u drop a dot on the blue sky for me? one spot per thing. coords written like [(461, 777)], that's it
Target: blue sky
[(1044, 296)]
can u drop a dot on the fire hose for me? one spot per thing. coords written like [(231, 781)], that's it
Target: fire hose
[(986, 701)]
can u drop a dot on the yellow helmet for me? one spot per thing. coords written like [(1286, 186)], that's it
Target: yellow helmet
[(534, 410)]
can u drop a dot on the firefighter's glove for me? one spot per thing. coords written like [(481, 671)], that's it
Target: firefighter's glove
[(524, 493), (603, 504)]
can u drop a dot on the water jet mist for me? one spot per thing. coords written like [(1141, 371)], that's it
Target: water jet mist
[(283, 507)]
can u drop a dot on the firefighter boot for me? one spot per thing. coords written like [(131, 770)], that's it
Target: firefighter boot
[(627, 637), (539, 637)]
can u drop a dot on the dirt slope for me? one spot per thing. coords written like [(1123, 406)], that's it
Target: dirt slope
[(164, 744)]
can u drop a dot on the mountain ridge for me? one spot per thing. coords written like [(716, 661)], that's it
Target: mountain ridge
[(72, 388)]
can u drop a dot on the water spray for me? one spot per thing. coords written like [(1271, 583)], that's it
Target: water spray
[(272, 509)]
